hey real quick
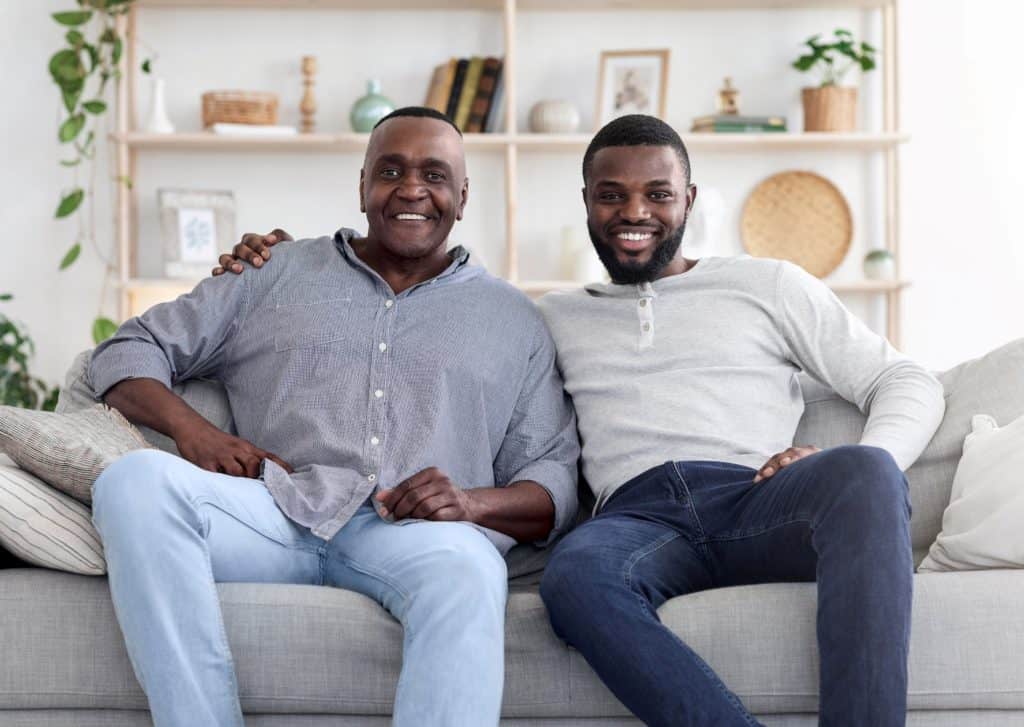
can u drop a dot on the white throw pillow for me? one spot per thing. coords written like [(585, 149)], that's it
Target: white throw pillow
[(982, 527), (44, 527)]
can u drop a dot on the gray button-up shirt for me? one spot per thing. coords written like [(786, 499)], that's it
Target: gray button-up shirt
[(359, 388)]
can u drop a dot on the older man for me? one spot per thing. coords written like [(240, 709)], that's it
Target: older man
[(416, 398)]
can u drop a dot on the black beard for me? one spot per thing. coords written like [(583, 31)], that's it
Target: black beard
[(626, 274)]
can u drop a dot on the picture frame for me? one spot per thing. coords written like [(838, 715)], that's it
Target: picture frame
[(196, 226), (632, 82)]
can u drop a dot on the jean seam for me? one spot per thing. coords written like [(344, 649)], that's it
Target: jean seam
[(805, 519), (376, 575), (637, 556), (689, 503), (199, 500)]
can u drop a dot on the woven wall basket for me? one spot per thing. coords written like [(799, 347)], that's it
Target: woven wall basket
[(801, 217)]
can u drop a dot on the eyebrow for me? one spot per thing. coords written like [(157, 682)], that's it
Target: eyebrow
[(401, 159), (652, 183)]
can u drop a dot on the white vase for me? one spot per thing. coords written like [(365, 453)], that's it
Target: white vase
[(879, 265), (158, 122), (554, 117)]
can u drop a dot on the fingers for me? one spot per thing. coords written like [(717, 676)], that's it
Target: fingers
[(279, 235), (390, 498), (783, 459), (280, 462)]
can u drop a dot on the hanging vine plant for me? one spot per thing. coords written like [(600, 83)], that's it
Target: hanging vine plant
[(83, 71)]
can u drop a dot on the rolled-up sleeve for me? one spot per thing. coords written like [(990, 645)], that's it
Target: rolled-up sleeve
[(542, 444), (183, 339)]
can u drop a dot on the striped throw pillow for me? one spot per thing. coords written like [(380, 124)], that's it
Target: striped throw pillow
[(45, 527)]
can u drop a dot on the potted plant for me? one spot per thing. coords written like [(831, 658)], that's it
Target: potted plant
[(18, 387), (829, 106)]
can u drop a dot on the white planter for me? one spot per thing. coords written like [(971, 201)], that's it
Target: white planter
[(554, 117)]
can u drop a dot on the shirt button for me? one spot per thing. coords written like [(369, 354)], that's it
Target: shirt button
[(372, 478), (647, 326), (643, 302), (378, 393), (388, 303), (383, 347), (374, 440)]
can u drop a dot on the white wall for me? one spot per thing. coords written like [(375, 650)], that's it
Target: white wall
[(960, 103)]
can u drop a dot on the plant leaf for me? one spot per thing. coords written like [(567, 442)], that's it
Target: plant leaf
[(74, 38), (65, 65), (78, 17), (126, 181), (70, 202), (95, 106), (102, 329), (6, 296), (71, 256), (71, 128), (115, 55), (70, 162), (70, 95), (147, 66)]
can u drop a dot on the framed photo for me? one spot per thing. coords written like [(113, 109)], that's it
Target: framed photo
[(632, 82), (197, 226)]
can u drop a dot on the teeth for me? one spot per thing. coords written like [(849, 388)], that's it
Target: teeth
[(635, 236), (407, 216)]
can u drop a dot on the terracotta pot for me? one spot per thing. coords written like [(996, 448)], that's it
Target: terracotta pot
[(832, 108)]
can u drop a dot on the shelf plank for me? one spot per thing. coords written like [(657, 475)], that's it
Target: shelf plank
[(523, 5), (555, 143)]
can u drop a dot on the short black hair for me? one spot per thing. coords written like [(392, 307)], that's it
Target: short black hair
[(423, 112), (635, 130)]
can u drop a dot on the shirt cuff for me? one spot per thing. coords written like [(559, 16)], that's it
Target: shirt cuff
[(560, 485), (127, 360)]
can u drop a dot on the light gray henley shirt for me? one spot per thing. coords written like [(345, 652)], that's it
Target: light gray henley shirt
[(703, 365)]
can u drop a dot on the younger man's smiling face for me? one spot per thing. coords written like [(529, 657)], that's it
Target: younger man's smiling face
[(637, 200)]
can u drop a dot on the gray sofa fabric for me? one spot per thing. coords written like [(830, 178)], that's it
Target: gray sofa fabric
[(65, 664)]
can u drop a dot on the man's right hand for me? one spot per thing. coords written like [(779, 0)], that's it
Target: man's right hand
[(211, 449), (253, 249)]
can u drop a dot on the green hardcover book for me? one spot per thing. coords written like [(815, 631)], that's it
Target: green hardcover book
[(473, 71), (738, 128)]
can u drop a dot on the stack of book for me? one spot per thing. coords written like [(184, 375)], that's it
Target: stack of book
[(743, 124), (469, 91)]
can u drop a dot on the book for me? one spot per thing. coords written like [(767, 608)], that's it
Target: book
[(484, 94), (496, 109), (253, 130), (737, 120), (738, 128), (473, 71), (440, 86), (457, 80)]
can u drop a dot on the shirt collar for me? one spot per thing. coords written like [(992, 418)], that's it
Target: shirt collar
[(459, 256)]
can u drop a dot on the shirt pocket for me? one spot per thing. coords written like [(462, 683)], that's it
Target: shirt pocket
[(307, 325)]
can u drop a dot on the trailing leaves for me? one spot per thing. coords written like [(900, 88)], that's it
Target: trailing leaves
[(18, 387), (79, 17), (102, 329), (71, 128), (71, 256), (70, 202)]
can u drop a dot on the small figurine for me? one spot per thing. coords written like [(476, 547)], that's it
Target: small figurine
[(308, 104), (728, 99)]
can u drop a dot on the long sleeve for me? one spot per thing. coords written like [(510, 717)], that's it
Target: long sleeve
[(541, 443), (183, 339), (904, 402)]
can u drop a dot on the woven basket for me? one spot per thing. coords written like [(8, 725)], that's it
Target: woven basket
[(800, 217), (239, 107)]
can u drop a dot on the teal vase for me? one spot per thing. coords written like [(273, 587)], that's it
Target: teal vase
[(370, 109)]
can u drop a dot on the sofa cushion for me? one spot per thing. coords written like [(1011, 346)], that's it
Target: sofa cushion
[(992, 384), (46, 528), (68, 451), (321, 650)]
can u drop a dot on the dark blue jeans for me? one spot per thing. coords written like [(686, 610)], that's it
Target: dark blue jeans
[(840, 517)]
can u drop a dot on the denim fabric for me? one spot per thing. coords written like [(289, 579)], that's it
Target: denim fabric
[(840, 517), (172, 530)]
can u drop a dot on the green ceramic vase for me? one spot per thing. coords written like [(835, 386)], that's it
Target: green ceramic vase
[(370, 109)]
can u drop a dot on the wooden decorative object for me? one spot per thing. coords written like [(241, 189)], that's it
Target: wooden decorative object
[(831, 108), (239, 107), (728, 99), (801, 217), (308, 104)]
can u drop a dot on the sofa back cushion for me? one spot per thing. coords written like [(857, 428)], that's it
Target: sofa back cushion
[(992, 384)]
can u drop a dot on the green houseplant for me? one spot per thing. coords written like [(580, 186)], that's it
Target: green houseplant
[(83, 70), (830, 106), (18, 387)]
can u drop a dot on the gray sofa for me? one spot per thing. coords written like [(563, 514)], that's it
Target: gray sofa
[(310, 656)]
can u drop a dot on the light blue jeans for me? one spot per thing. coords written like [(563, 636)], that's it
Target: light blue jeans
[(171, 530)]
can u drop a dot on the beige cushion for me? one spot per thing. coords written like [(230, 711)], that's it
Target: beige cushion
[(68, 451), (981, 528), (43, 527)]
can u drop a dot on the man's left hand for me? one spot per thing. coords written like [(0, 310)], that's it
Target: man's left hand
[(428, 495), (783, 459)]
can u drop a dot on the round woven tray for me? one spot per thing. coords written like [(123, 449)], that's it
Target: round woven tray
[(801, 217)]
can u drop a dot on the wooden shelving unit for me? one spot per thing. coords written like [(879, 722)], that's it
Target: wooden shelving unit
[(512, 144)]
